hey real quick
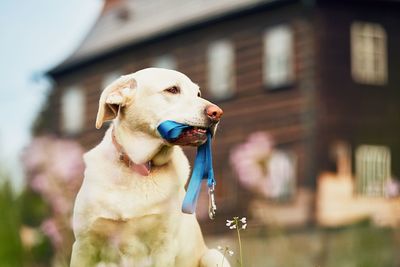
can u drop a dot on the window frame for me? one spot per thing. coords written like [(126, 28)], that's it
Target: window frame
[(68, 100), (369, 60), (269, 55), (225, 90)]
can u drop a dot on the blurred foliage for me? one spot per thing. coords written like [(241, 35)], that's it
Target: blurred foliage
[(11, 251), (35, 226), (17, 212), (33, 209), (53, 172)]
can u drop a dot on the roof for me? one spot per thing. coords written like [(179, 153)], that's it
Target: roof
[(132, 21)]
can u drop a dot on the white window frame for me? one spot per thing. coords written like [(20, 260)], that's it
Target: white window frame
[(368, 53), (73, 110), (373, 170), (278, 60), (166, 61), (221, 69)]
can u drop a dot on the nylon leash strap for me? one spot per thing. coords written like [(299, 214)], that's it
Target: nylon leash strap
[(202, 169)]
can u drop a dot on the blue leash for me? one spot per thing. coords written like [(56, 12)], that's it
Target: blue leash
[(203, 168)]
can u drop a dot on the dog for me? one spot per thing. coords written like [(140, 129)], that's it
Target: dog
[(128, 209)]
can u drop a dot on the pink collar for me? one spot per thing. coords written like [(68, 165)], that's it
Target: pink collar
[(142, 169)]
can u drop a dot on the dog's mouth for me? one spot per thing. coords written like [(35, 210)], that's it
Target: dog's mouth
[(193, 136)]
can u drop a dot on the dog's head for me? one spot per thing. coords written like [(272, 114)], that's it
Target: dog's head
[(142, 100)]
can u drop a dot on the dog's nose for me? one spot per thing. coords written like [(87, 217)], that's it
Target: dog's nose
[(213, 112)]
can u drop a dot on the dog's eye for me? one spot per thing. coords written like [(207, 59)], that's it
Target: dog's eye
[(173, 90)]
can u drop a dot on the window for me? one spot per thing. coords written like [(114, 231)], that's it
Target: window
[(221, 60), (165, 62), (278, 57), (109, 78), (281, 175), (73, 110), (372, 170), (368, 53)]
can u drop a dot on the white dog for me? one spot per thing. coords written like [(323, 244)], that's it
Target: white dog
[(128, 210)]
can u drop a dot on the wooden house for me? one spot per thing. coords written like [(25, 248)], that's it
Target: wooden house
[(308, 73)]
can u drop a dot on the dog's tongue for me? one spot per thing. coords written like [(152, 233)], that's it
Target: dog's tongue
[(142, 169)]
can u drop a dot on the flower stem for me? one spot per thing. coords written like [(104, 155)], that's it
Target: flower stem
[(223, 258), (240, 244)]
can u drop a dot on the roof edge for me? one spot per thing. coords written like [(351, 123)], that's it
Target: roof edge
[(63, 67)]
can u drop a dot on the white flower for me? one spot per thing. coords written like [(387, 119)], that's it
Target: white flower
[(230, 252), (243, 220), (244, 226), (232, 227), (229, 222), (220, 248)]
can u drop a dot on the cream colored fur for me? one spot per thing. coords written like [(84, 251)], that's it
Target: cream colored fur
[(122, 218)]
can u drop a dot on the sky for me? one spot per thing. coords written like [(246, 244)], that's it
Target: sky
[(34, 37)]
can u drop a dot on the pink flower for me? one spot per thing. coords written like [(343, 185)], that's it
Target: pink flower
[(67, 160), (53, 166), (248, 161), (39, 183), (50, 229), (54, 169)]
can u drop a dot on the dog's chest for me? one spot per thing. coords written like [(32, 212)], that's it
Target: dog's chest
[(142, 239), (122, 194)]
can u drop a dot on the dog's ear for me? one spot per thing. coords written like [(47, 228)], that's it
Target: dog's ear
[(113, 97)]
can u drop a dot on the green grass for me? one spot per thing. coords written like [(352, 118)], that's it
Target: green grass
[(361, 245)]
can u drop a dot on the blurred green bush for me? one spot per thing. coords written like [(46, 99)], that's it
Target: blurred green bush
[(21, 241)]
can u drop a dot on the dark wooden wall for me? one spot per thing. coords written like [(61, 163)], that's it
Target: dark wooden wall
[(349, 111)]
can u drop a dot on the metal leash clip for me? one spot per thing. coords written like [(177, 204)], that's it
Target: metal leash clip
[(212, 208)]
